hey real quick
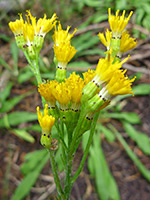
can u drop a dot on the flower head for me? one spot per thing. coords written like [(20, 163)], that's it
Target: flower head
[(30, 30), (119, 84), (64, 53), (46, 121), (46, 90), (28, 33), (17, 26), (118, 23), (106, 39), (62, 95), (62, 36), (127, 42), (106, 68), (88, 76), (75, 84), (43, 25)]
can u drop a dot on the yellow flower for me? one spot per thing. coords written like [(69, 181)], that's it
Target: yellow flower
[(62, 95), (62, 36), (118, 85), (88, 76), (106, 39), (127, 42), (17, 26), (106, 68), (28, 33), (75, 84), (32, 32), (118, 23), (46, 90), (43, 25), (64, 53), (46, 121)]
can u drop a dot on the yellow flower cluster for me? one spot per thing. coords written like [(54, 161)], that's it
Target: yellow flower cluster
[(118, 40), (68, 93), (126, 42), (113, 77), (31, 29)]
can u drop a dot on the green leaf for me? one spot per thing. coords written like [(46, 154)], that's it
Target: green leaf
[(105, 183), (16, 118), (24, 135), (5, 93), (25, 186), (141, 89), (32, 159), (141, 167), (9, 104), (25, 76), (5, 37), (35, 127), (99, 18), (79, 64), (94, 51), (84, 42), (142, 140), (15, 54), (131, 117), (4, 63), (93, 3), (107, 132)]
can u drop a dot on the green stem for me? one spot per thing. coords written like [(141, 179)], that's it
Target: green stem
[(55, 174), (76, 133), (80, 168), (34, 66), (68, 185)]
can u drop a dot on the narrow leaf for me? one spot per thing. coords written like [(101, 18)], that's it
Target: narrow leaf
[(24, 135), (32, 160), (16, 118), (141, 167), (9, 104), (142, 140), (107, 132), (131, 117), (5, 92), (105, 183), (27, 183)]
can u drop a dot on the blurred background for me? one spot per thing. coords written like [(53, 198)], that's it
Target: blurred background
[(109, 171)]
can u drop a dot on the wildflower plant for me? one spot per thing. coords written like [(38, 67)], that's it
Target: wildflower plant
[(72, 104)]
